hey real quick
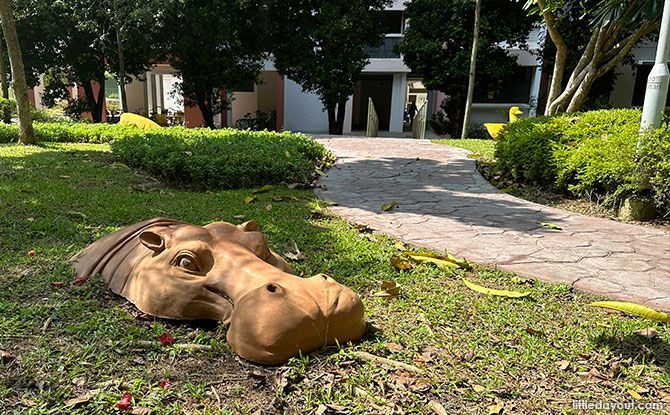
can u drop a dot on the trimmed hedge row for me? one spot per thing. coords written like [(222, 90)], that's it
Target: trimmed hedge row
[(222, 159), (70, 132), (587, 153)]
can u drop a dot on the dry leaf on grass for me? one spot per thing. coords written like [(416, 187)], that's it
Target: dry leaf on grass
[(495, 409), (263, 189), (248, 199), (437, 407), (648, 333), (447, 261), (389, 289), (401, 263), (295, 254), (562, 364)]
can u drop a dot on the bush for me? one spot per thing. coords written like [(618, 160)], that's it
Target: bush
[(224, 159), (591, 153), (72, 132)]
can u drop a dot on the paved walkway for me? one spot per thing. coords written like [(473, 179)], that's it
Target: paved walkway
[(446, 205)]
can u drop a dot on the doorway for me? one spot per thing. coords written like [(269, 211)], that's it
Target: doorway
[(379, 88)]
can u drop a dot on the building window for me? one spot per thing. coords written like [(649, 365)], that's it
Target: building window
[(387, 50), (514, 89), (641, 75), (391, 21)]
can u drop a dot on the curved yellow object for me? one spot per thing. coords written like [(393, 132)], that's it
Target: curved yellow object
[(494, 128), (128, 118)]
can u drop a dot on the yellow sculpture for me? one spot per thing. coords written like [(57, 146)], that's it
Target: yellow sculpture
[(494, 128), (128, 118)]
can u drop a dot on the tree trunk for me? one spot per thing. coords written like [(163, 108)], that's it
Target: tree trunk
[(471, 75), (339, 122), (26, 133), (206, 111), (560, 57), (122, 70), (7, 114), (95, 103), (332, 119)]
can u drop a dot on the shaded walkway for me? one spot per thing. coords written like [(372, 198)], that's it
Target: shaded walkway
[(445, 204)]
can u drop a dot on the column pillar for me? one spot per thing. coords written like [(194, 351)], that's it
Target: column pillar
[(397, 102)]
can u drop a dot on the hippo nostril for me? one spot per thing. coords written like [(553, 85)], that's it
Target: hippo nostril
[(272, 288)]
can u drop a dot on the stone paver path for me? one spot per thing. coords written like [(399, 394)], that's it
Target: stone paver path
[(445, 204)]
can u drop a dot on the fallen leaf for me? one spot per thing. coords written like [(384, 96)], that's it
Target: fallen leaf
[(551, 226), (634, 394), (32, 253), (166, 339), (140, 410), (648, 333), (57, 284), (534, 332), (65, 177), (268, 207), (82, 398), (239, 217), (437, 407), (125, 403), (562, 364), (495, 409), (442, 261), (80, 280), (635, 309), (28, 403), (319, 172), (389, 289), (248, 199), (79, 381), (263, 189), (328, 202), (394, 347), (296, 254), (6, 357), (321, 409), (389, 206), (478, 388), (165, 383), (491, 291), (30, 219), (362, 228), (401, 263)]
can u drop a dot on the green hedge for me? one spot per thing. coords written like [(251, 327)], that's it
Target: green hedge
[(586, 154), (71, 132), (223, 159)]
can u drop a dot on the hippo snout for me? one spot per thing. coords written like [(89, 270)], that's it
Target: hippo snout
[(283, 315)]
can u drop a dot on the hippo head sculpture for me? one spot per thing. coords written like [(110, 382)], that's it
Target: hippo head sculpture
[(224, 272)]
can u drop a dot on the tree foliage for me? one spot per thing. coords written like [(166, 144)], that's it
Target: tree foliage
[(321, 46), (78, 39), (214, 45), (616, 26), (438, 41)]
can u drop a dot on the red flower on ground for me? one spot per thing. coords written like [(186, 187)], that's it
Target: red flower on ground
[(166, 339), (165, 383), (80, 280), (124, 404), (32, 253)]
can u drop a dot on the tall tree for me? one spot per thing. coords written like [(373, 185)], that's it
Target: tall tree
[(79, 38), (26, 133), (321, 46), (473, 69), (4, 82), (617, 26), (214, 45), (437, 45)]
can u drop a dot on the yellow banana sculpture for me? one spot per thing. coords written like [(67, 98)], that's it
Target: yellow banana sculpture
[(494, 128)]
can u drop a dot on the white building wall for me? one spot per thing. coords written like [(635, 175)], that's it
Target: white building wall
[(622, 93), (303, 111)]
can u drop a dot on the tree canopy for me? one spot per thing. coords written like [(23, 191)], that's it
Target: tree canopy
[(214, 45), (321, 46), (438, 41)]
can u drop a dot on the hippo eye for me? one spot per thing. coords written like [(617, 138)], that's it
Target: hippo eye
[(187, 262)]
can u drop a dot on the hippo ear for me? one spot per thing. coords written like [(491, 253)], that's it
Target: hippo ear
[(249, 226), (153, 241)]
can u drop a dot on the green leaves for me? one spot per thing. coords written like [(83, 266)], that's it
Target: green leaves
[(442, 261)]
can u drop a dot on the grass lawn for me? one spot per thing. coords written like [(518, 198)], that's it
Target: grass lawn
[(61, 341), (480, 148)]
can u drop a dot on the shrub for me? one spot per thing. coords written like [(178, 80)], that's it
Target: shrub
[(224, 159), (73, 132), (591, 153)]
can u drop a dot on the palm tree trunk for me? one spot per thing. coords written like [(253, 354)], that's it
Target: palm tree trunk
[(26, 133), (122, 70), (473, 67)]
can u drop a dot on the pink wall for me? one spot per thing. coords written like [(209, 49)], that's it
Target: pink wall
[(192, 117)]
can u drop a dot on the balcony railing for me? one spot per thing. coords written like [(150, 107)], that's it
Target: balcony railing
[(387, 50)]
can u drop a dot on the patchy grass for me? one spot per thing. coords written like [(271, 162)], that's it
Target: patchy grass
[(480, 148), (535, 355)]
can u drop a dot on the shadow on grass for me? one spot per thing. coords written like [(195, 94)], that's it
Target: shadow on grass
[(637, 348)]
